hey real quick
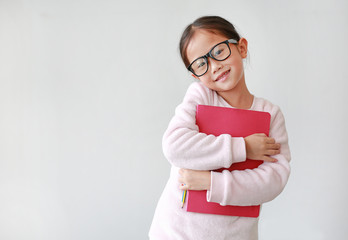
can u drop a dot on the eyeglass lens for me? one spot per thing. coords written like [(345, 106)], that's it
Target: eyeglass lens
[(220, 52)]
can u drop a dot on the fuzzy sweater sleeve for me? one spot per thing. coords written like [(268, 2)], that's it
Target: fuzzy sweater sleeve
[(185, 147), (259, 185)]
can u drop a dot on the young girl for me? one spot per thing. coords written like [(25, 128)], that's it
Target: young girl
[(213, 52)]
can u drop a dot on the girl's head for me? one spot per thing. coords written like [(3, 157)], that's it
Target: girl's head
[(213, 51), (214, 24)]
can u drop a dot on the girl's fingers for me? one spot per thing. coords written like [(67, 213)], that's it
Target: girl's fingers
[(181, 171), (269, 159), (260, 134), (275, 146), (183, 187), (270, 140), (272, 152), (181, 180)]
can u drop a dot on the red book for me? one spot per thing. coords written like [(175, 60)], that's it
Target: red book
[(237, 123)]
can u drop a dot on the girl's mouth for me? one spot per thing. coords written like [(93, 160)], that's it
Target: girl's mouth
[(222, 76)]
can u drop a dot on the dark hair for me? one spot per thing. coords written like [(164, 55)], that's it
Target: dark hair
[(214, 24)]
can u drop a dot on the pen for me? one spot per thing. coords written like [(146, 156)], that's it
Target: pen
[(183, 198)]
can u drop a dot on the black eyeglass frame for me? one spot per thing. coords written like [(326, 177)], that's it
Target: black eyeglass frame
[(211, 56)]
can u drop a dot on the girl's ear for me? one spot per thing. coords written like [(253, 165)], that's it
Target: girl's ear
[(243, 47)]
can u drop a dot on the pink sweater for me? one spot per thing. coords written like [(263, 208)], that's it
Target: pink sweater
[(185, 147)]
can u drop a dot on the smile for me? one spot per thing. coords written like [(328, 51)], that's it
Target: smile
[(223, 76)]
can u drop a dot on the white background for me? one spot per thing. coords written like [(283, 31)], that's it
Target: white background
[(87, 89)]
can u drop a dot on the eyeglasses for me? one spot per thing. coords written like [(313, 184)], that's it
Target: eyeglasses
[(219, 52)]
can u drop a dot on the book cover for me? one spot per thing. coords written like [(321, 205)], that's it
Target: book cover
[(237, 123)]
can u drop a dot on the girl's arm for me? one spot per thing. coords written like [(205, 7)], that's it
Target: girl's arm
[(260, 185), (185, 147), (248, 187)]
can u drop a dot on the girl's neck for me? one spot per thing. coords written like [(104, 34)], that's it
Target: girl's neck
[(238, 97)]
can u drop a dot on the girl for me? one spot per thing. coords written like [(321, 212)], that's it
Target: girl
[(213, 52)]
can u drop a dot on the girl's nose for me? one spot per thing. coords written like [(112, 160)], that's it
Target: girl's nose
[(215, 65)]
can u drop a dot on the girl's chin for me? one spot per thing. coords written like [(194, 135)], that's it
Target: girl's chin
[(226, 86)]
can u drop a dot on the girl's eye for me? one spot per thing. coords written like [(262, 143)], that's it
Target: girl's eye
[(218, 52), (200, 64)]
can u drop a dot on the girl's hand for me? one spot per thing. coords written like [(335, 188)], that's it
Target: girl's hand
[(260, 147), (194, 180)]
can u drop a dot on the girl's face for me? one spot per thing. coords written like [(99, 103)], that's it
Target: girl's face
[(222, 76)]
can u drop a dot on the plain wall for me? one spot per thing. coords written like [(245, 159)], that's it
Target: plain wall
[(87, 89)]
